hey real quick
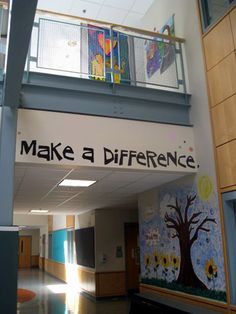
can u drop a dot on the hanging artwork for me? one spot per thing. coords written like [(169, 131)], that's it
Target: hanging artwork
[(124, 58), (96, 53), (167, 48), (99, 48), (160, 54), (153, 57)]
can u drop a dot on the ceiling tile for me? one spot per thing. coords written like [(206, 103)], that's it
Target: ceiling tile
[(37, 188), (59, 6), (120, 4), (141, 6), (132, 19), (89, 174), (92, 1), (126, 176), (78, 7), (110, 14)]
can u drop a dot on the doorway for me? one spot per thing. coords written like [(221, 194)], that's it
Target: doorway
[(24, 249), (132, 257)]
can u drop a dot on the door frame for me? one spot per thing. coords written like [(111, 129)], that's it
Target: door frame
[(26, 236), (126, 225)]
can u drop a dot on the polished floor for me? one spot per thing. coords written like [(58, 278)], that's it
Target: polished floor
[(55, 297)]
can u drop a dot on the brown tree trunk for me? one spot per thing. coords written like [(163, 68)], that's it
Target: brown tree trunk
[(187, 276)]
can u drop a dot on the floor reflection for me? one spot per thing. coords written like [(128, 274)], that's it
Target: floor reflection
[(55, 297)]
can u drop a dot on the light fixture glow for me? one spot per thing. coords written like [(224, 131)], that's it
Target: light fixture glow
[(41, 211), (76, 183)]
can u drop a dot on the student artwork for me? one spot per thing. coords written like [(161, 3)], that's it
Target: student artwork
[(99, 48), (160, 54), (181, 246), (167, 48), (96, 53), (153, 56)]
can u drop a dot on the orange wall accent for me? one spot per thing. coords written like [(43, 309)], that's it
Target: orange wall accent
[(50, 223), (70, 221)]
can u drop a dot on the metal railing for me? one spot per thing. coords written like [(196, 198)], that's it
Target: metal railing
[(89, 51)]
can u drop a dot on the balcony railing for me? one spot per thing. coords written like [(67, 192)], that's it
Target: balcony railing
[(109, 54)]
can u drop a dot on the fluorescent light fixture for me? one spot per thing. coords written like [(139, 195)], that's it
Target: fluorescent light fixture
[(76, 183), (22, 227), (39, 211)]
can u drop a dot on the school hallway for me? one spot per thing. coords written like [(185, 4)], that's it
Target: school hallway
[(40, 293)]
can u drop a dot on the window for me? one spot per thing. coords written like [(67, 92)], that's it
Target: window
[(229, 208), (70, 246), (212, 10)]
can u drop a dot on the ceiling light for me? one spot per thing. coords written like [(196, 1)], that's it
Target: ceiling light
[(22, 227), (39, 211), (76, 183)]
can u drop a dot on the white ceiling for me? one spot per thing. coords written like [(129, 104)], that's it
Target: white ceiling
[(124, 12), (37, 187)]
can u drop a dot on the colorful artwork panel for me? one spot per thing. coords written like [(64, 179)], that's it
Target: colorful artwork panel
[(153, 56), (160, 54), (99, 48), (96, 53)]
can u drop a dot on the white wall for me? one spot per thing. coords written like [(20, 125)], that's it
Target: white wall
[(110, 234), (85, 220), (187, 27), (34, 233), (59, 222), (30, 220)]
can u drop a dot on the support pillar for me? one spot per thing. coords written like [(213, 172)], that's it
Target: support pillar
[(22, 14), (8, 269)]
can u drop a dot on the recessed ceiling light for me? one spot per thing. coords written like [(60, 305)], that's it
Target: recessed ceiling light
[(39, 211), (76, 183)]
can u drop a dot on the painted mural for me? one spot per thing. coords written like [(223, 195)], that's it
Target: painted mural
[(99, 55), (181, 245)]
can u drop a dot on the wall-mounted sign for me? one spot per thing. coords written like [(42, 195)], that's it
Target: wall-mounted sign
[(71, 139)]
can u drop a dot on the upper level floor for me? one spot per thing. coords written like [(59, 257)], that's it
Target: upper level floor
[(82, 66)]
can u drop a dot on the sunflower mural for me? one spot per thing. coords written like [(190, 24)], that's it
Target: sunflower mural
[(156, 262), (165, 262), (175, 263), (182, 239), (211, 271), (147, 263)]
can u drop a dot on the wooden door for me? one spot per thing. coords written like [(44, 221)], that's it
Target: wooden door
[(24, 249), (132, 257)]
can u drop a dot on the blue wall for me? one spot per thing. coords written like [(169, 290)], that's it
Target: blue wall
[(58, 245)]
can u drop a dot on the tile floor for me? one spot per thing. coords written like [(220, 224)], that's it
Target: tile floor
[(55, 297)]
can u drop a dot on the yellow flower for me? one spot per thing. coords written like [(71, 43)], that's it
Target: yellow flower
[(147, 261), (156, 259), (165, 261), (210, 269), (174, 261)]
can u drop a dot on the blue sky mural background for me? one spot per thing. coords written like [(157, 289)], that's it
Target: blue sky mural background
[(208, 245)]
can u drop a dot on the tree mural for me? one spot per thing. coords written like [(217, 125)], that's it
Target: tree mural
[(187, 230)]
